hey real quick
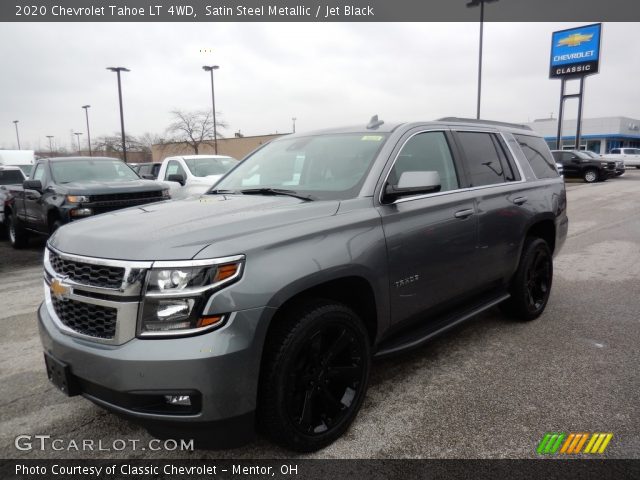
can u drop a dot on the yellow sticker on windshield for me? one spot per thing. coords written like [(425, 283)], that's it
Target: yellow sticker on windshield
[(372, 138)]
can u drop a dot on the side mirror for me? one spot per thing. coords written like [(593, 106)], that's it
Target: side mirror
[(176, 178), (148, 176), (413, 183), (32, 185)]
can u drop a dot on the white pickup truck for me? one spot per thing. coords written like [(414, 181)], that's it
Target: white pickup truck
[(189, 175), (630, 156)]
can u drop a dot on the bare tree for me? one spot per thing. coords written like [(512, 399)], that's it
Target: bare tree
[(113, 143), (147, 140), (193, 128)]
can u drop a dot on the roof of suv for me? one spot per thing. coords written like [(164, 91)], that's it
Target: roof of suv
[(449, 121)]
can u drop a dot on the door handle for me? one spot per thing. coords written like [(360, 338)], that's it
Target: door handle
[(464, 213), (520, 200)]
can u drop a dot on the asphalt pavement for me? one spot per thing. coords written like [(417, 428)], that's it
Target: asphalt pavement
[(488, 389)]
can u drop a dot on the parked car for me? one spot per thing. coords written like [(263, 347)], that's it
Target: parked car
[(264, 301), (61, 190), (620, 166), (9, 176), (630, 156), (149, 170), (23, 159), (577, 164), (194, 174)]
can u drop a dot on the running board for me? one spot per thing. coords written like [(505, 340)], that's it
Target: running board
[(413, 342)]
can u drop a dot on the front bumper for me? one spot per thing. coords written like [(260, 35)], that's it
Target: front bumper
[(220, 368)]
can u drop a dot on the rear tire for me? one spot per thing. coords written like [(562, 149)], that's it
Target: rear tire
[(314, 376), (18, 236), (531, 284)]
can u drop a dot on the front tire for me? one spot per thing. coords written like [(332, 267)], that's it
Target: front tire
[(590, 175), (315, 374), (531, 284), (18, 236)]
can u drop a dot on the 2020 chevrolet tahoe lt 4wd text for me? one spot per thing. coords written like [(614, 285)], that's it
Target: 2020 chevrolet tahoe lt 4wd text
[(261, 304)]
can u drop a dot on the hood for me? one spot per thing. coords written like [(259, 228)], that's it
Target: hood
[(179, 229), (101, 188)]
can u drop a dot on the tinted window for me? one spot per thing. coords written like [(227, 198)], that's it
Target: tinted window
[(537, 152), (483, 162), (426, 152), (615, 150), (11, 177)]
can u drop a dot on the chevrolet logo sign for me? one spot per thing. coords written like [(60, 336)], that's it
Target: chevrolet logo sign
[(574, 40), (59, 290)]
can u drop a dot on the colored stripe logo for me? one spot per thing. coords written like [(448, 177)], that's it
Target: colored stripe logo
[(573, 443)]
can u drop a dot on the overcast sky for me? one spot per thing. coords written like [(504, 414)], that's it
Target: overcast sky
[(323, 74)]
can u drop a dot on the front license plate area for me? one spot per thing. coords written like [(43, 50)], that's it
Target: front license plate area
[(59, 374)]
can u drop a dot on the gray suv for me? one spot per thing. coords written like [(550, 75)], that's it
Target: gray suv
[(260, 305)]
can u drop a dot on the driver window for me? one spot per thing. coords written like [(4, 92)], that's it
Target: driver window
[(424, 152), (39, 173)]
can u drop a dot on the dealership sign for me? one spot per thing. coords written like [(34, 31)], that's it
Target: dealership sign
[(576, 51)]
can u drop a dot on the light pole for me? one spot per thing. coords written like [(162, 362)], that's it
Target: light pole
[(50, 137), (213, 106), (118, 70), (472, 4), (77, 134), (294, 124), (86, 111), (15, 122)]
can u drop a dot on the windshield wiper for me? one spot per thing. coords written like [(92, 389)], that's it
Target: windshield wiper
[(276, 191), (221, 192)]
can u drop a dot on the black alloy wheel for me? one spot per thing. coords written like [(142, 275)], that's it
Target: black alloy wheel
[(531, 285), (315, 375)]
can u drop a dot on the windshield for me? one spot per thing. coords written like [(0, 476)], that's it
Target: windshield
[(91, 171), (202, 167), (326, 167), (26, 169), (11, 177), (592, 154)]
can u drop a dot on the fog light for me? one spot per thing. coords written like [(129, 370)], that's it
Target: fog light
[(80, 212), (183, 400)]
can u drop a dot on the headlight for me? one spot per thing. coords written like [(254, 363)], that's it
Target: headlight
[(177, 292), (77, 198), (603, 164)]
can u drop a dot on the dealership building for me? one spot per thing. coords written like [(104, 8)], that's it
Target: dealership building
[(599, 135)]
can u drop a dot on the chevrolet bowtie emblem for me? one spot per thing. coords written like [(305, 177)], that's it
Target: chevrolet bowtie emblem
[(574, 40), (59, 290)]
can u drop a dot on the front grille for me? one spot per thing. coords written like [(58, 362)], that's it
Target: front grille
[(126, 197), (87, 273), (87, 319)]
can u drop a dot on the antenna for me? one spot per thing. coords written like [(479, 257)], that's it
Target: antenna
[(374, 123)]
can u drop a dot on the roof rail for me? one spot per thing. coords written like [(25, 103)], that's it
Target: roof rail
[(487, 122)]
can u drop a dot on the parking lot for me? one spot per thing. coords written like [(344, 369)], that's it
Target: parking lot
[(488, 389)]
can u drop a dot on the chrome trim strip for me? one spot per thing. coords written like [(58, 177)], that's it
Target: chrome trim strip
[(197, 263), (102, 261), (448, 192)]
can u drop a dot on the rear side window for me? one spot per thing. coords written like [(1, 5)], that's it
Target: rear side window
[(537, 152), (426, 152), (615, 150), (484, 164)]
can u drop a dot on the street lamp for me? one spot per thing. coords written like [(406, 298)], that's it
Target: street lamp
[(473, 4), (15, 122), (77, 134), (86, 111), (294, 124), (50, 137), (213, 105), (118, 70)]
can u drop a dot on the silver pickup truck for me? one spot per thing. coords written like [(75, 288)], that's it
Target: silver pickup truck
[(261, 304)]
